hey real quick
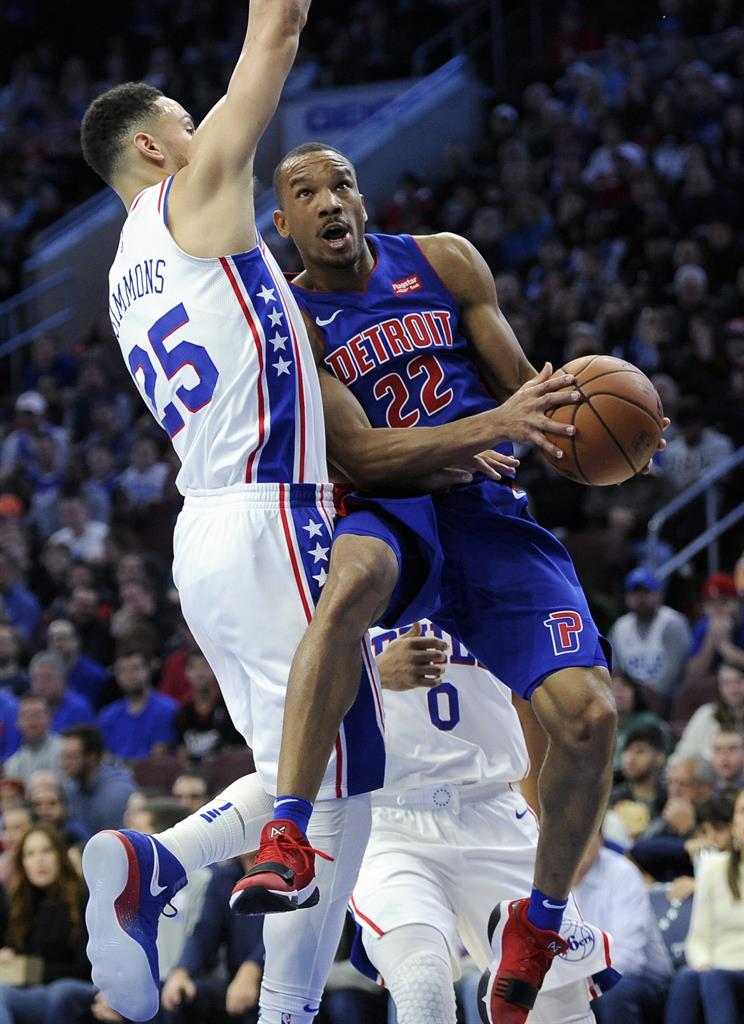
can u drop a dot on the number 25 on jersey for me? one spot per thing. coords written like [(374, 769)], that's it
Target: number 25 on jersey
[(185, 353)]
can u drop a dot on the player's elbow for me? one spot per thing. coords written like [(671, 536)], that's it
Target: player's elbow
[(298, 10), (286, 19)]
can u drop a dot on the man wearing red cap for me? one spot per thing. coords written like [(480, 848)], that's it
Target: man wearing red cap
[(719, 635)]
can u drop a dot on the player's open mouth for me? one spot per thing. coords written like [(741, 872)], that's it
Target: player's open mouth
[(335, 236)]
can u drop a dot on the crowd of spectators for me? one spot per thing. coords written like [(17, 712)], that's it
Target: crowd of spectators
[(606, 197), (51, 68), (607, 201)]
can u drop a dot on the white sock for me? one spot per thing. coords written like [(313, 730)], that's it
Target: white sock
[(270, 1016), (228, 826)]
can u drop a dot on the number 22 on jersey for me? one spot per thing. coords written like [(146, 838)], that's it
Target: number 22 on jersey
[(432, 399), (184, 353)]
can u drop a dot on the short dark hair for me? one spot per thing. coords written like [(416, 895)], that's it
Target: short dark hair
[(89, 736), (717, 811), (647, 733), (305, 147), (141, 638), (109, 120), (132, 651)]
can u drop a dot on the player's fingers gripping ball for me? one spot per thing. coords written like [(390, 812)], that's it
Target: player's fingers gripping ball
[(618, 420)]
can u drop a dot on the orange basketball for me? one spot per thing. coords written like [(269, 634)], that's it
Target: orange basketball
[(617, 420)]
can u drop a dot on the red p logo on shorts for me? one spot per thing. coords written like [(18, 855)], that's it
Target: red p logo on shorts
[(564, 630)]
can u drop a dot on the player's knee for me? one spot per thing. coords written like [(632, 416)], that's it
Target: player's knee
[(422, 989), (361, 580), (579, 712)]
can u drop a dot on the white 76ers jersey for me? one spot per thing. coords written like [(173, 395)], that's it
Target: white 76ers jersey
[(464, 730), (218, 349)]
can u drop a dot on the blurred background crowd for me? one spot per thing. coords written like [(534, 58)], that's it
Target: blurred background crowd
[(606, 195)]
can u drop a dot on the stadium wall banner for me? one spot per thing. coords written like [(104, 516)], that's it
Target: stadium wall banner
[(330, 113)]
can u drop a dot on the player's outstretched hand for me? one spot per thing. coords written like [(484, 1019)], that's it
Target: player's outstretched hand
[(492, 464), (412, 660), (662, 445), (523, 416)]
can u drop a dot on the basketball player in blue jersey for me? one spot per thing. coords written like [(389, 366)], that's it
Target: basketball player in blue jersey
[(216, 345), (412, 328)]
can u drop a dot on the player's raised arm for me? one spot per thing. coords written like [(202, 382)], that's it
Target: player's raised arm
[(211, 200)]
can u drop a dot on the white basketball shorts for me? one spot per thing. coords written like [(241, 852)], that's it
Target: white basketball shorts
[(449, 868), (249, 564)]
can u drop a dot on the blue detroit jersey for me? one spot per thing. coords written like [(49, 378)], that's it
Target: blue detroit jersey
[(398, 345), (504, 587)]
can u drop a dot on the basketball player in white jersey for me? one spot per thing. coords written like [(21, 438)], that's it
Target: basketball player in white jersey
[(452, 837), (216, 346)]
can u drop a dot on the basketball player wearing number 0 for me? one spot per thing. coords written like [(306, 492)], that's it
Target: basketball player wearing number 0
[(412, 327)]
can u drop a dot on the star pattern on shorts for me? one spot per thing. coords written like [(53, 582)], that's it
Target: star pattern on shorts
[(278, 340), (314, 529), (267, 294), (319, 553), (321, 577), (276, 317), (282, 366)]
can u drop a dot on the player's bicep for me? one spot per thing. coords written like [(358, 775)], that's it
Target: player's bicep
[(495, 348), (226, 140), (494, 345)]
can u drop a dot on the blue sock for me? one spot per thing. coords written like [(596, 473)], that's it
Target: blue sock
[(293, 808), (545, 912)]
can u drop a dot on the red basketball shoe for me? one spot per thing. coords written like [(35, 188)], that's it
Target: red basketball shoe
[(522, 957), (283, 875)]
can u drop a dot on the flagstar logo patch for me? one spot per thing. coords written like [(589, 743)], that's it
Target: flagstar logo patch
[(407, 285)]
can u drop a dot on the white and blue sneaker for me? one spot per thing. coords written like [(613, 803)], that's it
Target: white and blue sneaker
[(131, 878)]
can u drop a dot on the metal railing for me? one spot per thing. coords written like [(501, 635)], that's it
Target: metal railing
[(714, 527), (13, 311), (457, 37), (20, 322)]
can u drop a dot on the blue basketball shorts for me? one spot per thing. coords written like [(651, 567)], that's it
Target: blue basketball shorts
[(408, 526), (509, 591)]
